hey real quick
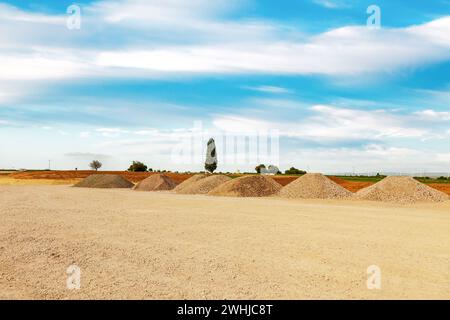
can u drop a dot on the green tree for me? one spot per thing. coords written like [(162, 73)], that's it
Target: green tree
[(210, 167), (137, 166), (258, 168), (293, 170)]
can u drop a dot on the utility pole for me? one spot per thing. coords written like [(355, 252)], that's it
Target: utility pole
[(49, 164)]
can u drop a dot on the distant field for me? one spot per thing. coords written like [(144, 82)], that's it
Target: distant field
[(6, 172), (81, 174), (352, 183)]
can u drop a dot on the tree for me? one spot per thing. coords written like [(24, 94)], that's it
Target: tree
[(95, 165), (210, 167), (258, 168), (137, 166), (211, 156), (293, 170)]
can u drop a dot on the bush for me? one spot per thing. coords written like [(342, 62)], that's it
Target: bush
[(293, 170), (258, 168), (137, 166), (211, 167)]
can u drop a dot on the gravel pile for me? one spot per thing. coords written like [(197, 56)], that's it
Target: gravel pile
[(205, 185), (104, 181), (314, 186), (404, 190), (188, 182), (248, 186), (156, 182)]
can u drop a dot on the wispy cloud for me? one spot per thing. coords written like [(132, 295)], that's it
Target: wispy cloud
[(219, 45), (87, 155), (333, 124), (433, 115), (269, 89), (111, 132), (333, 4)]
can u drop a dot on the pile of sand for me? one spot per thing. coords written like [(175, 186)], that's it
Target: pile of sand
[(402, 190), (104, 181), (156, 182), (205, 185), (314, 186), (248, 186), (188, 182)]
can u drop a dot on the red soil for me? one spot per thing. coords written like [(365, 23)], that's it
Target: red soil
[(283, 180), (180, 177), (352, 186), (81, 174), (444, 187)]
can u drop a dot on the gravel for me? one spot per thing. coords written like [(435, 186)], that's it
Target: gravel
[(401, 190), (314, 186), (104, 181), (188, 182), (248, 186), (156, 182), (205, 185)]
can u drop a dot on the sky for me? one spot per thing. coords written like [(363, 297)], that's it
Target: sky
[(153, 80)]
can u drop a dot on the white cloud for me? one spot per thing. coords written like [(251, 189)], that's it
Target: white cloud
[(269, 89), (63, 133), (111, 132), (343, 51), (332, 4), (216, 44), (236, 124), (10, 13), (341, 123), (6, 96), (85, 134), (443, 157), (329, 123), (368, 159), (87, 155), (433, 115), (4, 122)]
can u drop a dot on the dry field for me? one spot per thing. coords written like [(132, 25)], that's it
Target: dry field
[(71, 177), (149, 245)]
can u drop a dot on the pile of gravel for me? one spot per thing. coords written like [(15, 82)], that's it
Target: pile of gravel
[(188, 182), (314, 186), (248, 186), (104, 181), (205, 185), (156, 182), (399, 189)]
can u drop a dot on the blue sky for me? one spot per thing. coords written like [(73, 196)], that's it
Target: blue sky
[(134, 80)]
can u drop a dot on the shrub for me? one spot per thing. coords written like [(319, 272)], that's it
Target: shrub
[(137, 166), (293, 170), (258, 168)]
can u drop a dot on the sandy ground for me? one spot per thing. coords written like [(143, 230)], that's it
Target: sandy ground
[(165, 246), (8, 181)]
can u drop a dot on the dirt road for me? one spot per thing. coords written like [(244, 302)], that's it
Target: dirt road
[(164, 246)]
